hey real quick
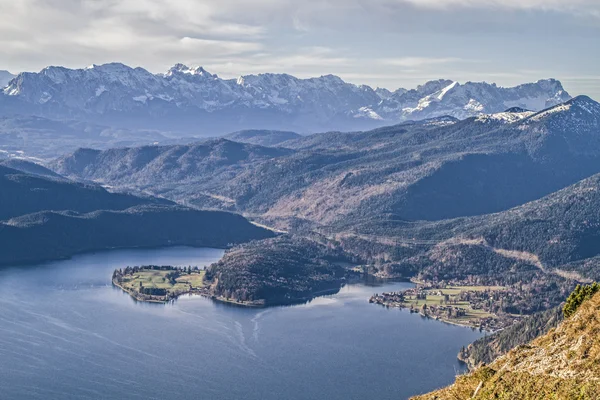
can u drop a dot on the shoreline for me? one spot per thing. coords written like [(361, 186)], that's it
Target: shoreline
[(49, 260), (227, 301), (137, 297), (438, 319), (444, 304)]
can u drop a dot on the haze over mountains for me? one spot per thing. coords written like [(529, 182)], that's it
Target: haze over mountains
[(193, 101)]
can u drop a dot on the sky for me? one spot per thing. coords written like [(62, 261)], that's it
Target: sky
[(382, 43)]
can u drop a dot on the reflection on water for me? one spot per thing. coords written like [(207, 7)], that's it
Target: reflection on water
[(66, 333)]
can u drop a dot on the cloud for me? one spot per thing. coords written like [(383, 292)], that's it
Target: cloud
[(384, 42), (578, 6), (412, 62)]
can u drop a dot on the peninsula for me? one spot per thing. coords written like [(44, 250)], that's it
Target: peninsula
[(160, 284)]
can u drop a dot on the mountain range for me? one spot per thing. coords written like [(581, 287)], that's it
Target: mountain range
[(428, 170), (193, 101)]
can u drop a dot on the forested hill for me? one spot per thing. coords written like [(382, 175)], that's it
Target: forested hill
[(192, 174), (43, 218), (24, 193), (559, 233), (52, 235), (282, 270)]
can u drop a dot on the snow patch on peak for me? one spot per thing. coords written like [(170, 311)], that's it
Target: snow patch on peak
[(101, 89), (184, 69), (440, 95), (473, 106), (506, 117), (553, 110), (366, 112)]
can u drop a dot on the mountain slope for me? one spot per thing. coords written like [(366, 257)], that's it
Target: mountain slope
[(445, 97), (22, 193), (563, 364), (539, 250), (427, 170), (198, 170), (29, 167), (195, 101)]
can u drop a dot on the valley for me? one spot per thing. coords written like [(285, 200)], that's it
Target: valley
[(485, 201)]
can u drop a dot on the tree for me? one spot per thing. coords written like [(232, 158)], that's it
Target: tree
[(579, 295)]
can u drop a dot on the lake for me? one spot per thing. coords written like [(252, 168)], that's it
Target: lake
[(66, 333)]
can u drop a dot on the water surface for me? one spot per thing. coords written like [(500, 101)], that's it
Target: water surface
[(66, 333)]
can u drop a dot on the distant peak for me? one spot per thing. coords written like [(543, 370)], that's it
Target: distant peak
[(586, 103), (184, 69), (332, 78), (431, 87), (582, 99), (114, 66), (550, 83), (577, 107)]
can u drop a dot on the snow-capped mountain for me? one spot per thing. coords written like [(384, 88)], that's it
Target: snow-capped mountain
[(5, 77), (443, 97), (194, 100)]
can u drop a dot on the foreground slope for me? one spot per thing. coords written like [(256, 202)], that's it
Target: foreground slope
[(563, 364)]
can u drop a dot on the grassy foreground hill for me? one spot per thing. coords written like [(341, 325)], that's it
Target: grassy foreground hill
[(564, 364)]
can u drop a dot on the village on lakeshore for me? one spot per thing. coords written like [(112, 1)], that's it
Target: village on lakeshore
[(471, 306)]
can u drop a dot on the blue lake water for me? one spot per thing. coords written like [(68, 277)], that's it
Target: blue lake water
[(66, 333)]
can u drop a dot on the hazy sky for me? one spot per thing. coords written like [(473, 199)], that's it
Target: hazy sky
[(387, 43)]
